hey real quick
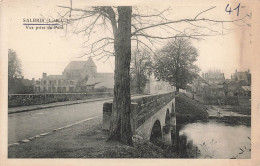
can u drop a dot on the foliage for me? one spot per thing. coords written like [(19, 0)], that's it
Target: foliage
[(16, 83), (208, 150), (174, 63), (141, 69), (14, 65), (243, 150)]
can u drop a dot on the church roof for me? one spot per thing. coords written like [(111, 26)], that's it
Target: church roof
[(80, 65), (76, 65)]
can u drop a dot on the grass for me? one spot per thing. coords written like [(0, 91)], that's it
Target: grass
[(188, 110)]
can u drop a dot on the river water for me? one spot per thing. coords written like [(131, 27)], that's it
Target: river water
[(216, 139)]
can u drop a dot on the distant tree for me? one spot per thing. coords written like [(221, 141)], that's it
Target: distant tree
[(141, 69), (174, 63), (81, 84), (14, 65), (15, 84)]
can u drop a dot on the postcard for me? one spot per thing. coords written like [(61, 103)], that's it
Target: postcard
[(134, 82)]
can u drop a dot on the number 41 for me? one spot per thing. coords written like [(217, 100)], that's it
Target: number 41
[(229, 11)]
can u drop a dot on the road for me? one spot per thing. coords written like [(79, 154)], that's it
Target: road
[(28, 124)]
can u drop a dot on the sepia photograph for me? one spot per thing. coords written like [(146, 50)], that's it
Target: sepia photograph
[(135, 81)]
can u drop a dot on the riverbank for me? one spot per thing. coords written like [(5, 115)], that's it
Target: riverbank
[(189, 110)]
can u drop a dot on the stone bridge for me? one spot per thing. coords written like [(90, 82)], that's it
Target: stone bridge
[(152, 117)]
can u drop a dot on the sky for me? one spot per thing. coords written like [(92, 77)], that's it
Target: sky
[(51, 51)]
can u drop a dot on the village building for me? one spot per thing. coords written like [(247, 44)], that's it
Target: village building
[(155, 87), (242, 76), (214, 77), (78, 76), (240, 84)]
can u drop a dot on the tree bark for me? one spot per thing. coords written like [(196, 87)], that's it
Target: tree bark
[(138, 84), (120, 128)]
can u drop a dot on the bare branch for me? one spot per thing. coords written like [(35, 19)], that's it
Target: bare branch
[(204, 11), (185, 20), (173, 37)]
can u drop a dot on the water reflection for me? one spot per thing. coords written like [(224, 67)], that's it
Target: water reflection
[(215, 139)]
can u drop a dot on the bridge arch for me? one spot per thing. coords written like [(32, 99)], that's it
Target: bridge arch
[(156, 133)]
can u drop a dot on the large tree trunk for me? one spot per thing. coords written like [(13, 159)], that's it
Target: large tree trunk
[(138, 84), (120, 128)]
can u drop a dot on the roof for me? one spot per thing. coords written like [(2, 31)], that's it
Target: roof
[(76, 65), (90, 62), (247, 88), (80, 65)]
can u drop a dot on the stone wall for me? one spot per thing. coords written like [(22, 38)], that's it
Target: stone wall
[(146, 107), (144, 112), (15, 100)]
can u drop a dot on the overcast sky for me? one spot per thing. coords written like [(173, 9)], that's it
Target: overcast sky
[(51, 50)]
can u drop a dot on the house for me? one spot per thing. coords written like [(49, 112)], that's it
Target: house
[(242, 75), (156, 87), (78, 76), (214, 77), (240, 84)]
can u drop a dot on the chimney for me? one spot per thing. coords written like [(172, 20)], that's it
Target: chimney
[(44, 75)]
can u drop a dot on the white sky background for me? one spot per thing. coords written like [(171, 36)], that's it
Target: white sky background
[(50, 50)]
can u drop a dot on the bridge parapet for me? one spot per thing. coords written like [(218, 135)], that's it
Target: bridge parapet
[(144, 111), (145, 107)]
